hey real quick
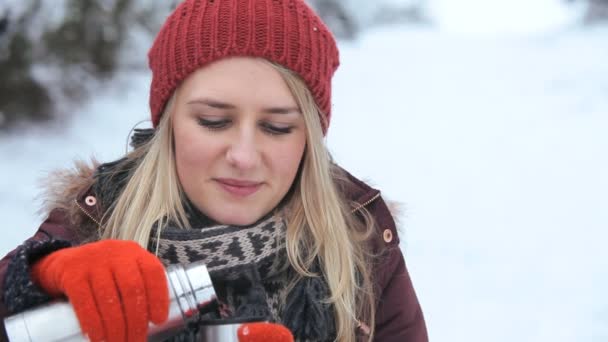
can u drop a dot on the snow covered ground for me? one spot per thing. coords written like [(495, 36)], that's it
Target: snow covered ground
[(499, 150), (497, 147)]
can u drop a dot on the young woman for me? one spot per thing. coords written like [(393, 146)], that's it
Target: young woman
[(234, 173)]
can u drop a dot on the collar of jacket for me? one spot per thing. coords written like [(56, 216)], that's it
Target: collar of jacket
[(86, 210), (89, 201), (361, 194), (356, 190)]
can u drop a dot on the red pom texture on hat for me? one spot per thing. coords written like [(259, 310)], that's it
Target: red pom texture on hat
[(264, 332), (287, 32)]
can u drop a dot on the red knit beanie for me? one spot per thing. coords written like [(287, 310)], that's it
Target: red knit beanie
[(287, 32)]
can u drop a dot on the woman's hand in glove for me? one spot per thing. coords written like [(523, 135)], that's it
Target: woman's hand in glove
[(116, 287)]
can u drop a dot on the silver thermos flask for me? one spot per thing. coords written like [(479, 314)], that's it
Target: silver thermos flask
[(190, 288)]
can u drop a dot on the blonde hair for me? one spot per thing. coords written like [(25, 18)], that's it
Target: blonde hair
[(152, 194), (321, 226)]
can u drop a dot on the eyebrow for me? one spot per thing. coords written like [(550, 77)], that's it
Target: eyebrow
[(224, 105)]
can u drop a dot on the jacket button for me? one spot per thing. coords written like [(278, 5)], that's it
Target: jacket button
[(388, 235), (90, 201)]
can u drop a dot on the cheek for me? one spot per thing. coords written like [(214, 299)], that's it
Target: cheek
[(287, 160), (192, 151)]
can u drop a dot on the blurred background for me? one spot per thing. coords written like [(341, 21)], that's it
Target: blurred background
[(486, 119)]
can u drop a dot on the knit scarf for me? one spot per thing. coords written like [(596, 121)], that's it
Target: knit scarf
[(251, 273)]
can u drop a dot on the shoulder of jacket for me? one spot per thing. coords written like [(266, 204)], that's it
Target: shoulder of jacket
[(65, 190), (365, 197), (62, 186)]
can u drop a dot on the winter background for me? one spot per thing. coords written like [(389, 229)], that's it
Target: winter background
[(490, 125)]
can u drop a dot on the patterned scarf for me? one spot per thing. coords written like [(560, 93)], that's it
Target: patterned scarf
[(250, 272)]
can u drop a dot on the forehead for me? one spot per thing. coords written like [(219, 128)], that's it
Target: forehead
[(238, 80)]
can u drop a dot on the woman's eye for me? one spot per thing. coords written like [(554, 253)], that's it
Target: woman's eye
[(276, 130), (213, 124)]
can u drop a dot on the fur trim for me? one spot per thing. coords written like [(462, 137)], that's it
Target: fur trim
[(63, 187), (397, 210)]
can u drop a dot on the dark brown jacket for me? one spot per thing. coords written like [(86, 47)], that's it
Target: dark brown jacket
[(398, 317)]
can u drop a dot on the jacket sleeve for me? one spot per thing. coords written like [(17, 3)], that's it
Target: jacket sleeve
[(18, 291), (399, 317)]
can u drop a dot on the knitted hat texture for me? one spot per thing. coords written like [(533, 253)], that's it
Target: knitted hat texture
[(287, 32)]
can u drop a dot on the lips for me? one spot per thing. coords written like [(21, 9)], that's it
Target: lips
[(238, 187)]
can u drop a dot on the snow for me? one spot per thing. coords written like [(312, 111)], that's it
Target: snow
[(495, 145), (497, 148)]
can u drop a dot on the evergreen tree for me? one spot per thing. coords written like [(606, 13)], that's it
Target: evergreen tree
[(48, 54), (597, 11)]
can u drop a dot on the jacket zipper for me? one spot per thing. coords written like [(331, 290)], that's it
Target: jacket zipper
[(86, 213), (361, 206)]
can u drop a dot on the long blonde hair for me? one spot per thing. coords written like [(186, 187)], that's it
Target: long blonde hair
[(321, 226)]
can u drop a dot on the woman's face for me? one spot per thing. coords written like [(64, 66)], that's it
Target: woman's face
[(239, 139)]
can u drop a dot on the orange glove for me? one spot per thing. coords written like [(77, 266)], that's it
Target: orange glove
[(264, 332), (115, 287)]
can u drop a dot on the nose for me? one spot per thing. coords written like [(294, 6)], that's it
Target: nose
[(243, 153)]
